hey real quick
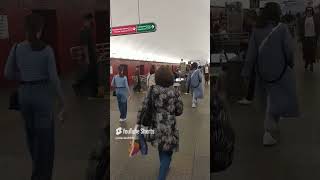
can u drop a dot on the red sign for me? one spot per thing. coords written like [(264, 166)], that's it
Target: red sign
[(122, 30)]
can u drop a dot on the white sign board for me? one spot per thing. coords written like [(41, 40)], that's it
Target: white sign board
[(4, 31)]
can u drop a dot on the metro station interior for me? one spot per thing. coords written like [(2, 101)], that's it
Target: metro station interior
[(176, 41), (295, 156), (78, 135), (134, 36)]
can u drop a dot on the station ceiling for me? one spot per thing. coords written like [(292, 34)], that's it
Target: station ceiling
[(183, 30)]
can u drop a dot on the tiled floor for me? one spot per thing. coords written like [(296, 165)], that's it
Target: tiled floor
[(297, 157), (74, 140), (192, 162)]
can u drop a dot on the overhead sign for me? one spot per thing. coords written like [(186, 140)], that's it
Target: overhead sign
[(133, 29), (4, 31)]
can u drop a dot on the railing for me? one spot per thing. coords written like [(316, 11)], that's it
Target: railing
[(102, 50), (77, 54), (229, 42)]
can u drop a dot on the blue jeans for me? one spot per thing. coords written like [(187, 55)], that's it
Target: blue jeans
[(37, 112), (122, 104), (165, 160), (194, 99)]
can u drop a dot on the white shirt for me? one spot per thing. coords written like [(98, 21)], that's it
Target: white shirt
[(206, 70), (309, 27)]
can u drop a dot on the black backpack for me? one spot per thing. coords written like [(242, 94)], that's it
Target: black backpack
[(98, 166), (222, 136)]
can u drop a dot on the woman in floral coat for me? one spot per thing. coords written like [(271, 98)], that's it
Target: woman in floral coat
[(167, 104)]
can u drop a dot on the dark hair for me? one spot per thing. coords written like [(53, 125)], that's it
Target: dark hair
[(271, 13), (88, 17), (194, 66), (34, 24), (152, 69), (308, 9), (252, 14), (120, 71), (164, 76)]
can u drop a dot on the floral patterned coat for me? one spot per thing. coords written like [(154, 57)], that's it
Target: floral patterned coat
[(167, 105)]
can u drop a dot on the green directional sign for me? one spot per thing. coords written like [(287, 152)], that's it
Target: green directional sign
[(133, 29), (147, 27)]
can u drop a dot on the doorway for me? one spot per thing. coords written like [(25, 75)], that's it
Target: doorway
[(102, 26), (141, 69), (50, 31), (125, 69)]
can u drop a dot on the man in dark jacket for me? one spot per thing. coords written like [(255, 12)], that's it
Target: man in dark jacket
[(88, 43), (137, 87)]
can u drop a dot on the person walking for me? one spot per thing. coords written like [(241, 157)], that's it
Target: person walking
[(250, 25), (195, 83), (150, 77), (167, 103), (137, 87), (309, 30), (270, 52), (206, 74), (32, 63), (186, 77), (88, 44), (120, 83)]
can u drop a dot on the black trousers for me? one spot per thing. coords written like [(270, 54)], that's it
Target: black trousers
[(93, 79), (309, 50), (251, 87), (87, 80)]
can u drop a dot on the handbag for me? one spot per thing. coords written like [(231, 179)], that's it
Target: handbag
[(98, 162), (14, 103), (114, 93), (134, 144), (146, 114), (222, 136)]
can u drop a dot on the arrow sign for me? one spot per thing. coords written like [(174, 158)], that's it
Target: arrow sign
[(133, 29), (147, 27), (122, 30)]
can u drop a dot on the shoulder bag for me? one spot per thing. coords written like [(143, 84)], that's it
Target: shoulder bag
[(114, 91), (222, 136), (146, 113)]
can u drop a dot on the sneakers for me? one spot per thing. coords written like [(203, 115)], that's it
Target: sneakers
[(268, 140), (194, 105), (122, 120), (244, 101)]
